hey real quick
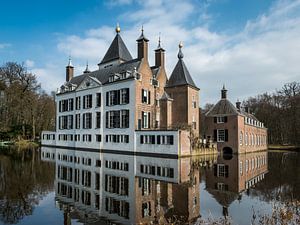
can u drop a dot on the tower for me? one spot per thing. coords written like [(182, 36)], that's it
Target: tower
[(182, 89), (142, 46), (69, 70)]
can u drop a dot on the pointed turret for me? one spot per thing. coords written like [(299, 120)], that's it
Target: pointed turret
[(87, 68), (223, 92), (159, 55), (69, 70), (117, 50), (180, 75), (142, 46)]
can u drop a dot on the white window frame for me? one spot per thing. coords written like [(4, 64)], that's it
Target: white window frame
[(221, 135)]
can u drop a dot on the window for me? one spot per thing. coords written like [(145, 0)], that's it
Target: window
[(221, 119), (117, 138), (77, 103), (65, 122), (221, 135), (98, 119), (77, 121), (124, 118), (66, 105), (87, 121), (147, 139), (221, 170), (117, 97), (113, 119), (98, 137), (241, 168), (124, 96), (86, 137), (146, 209), (145, 119), (98, 99), (241, 138), (97, 181), (194, 103), (87, 101), (146, 96)]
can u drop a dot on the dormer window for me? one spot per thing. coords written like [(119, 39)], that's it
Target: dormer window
[(111, 78), (154, 82), (123, 75), (220, 119), (117, 76)]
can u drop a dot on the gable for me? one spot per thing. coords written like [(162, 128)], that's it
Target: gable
[(88, 82)]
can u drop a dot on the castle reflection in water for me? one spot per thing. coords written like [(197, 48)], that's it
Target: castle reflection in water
[(102, 188)]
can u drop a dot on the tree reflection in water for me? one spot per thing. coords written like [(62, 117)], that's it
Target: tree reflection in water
[(24, 180)]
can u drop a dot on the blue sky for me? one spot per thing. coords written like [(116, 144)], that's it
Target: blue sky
[(251, 46)]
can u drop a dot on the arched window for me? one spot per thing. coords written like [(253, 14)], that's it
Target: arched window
[(241, 138)]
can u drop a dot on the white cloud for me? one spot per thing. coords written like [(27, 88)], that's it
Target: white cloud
[(51, 77), (4, 45), (261, 57), (29, 63)]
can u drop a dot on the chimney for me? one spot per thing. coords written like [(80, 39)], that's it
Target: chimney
[(159, 55), (69, 70), (223, 93), (142, 46), (238, 105)]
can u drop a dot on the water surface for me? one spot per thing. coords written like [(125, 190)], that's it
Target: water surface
[(60, 186)]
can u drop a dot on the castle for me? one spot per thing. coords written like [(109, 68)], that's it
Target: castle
[(127, 105)]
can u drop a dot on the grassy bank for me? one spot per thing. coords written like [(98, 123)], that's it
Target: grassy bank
[(25, 144)]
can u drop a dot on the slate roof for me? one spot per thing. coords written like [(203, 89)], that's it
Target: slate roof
[(117, 50), (223, 107), (249, 115), (180, 76), (165, 96), (103, 74)]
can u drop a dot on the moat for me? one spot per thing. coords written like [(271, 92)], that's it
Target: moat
[(60, 186)]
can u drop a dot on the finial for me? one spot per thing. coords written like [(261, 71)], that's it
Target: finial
[(87, 68), (223, 92), (70, 62), (118, 29), (180, 54), (180, 44), (142, 29), (159, 41)]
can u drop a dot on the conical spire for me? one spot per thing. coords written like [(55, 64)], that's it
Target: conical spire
[(180, 75), (180, 54), (117, 49), (159, 45), (87, 68), (159, 42), (70, 62), (142, 36)]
